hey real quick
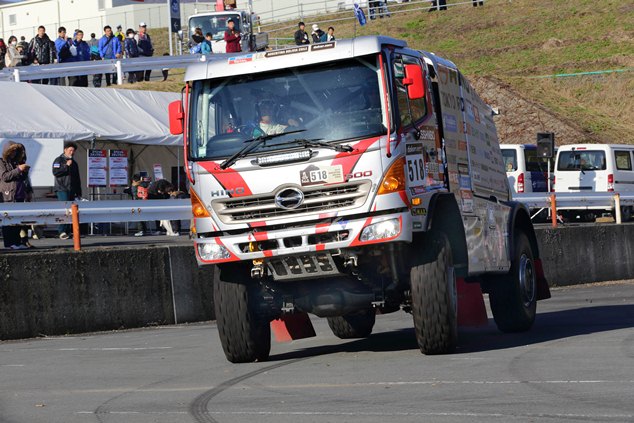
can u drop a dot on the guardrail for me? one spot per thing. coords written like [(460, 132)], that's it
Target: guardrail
[(75, 213), (577, 201), (118, 66)]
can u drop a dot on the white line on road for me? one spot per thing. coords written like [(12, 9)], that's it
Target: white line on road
[(12, 365)]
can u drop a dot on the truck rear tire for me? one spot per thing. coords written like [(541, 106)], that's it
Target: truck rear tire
[(357, 325), (513, 297), (434, 301), (245, 335)]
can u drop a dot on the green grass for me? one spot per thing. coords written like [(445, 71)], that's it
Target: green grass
[(515, 41)]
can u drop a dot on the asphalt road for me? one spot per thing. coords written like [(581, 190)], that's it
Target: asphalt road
[(577, 364)]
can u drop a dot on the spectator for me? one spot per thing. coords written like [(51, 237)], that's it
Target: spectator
[(15, 187), (109, 48), (318, 35), (145, 47), (436, 3), (13, 57), (301, 37), (62, 47), (131, 51), (161, 190), (205, 47), (67, 181), (93, 43), (373, 6), (41, 51), (165, 71), (476, 2), (119, 34), (23, 44), (195, 46), (137, 185), (3, 52), (233, 38), (80, 52), (331, 34)]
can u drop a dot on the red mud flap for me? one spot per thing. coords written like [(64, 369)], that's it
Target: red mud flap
[(292, 326), (543, 291), (471, 309)]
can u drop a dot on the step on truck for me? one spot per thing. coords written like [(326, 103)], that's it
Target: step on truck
[(348, 179)]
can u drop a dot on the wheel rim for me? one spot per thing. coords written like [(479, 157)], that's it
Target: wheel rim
[(527, 280)]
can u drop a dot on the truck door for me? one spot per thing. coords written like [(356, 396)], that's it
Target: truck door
[(417, 128)]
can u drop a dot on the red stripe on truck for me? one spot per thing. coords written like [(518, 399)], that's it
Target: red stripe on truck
[(230, 179)]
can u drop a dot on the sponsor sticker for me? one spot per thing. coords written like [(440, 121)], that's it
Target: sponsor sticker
[(322, 46), (417, 190), (316, 175), (450, 123), (419, 211), (242, 59), (286, 51)]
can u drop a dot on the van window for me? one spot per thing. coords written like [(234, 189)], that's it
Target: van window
[(534, 163), (510, 160), (623, 160), (581, 160)]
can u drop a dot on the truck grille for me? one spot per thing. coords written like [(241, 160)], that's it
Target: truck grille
[(316, 200)]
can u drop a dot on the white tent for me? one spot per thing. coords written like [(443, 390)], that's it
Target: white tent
[(42, 117)]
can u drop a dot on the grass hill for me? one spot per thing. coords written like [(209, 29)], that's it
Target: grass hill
[(507, 46)]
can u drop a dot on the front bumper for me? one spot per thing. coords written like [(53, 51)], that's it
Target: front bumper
[(338, 234)]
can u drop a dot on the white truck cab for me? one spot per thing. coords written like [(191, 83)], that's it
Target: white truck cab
[(595, 168), (345, 178)]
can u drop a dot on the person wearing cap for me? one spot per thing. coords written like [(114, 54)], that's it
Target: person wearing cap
[(146, 49), (301, 37), (233, 37), (119, 34), (318, 35)]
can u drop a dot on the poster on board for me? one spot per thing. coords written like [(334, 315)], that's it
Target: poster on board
[(97, 168), (118, 161), (158, 172)]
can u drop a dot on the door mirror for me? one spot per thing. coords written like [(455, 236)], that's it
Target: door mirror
[(414, 81), (176, 117)]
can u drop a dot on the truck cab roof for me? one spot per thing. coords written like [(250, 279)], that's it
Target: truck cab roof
[(246, 63)]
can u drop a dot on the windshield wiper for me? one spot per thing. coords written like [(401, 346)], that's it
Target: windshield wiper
[(315, 143), (253, 143)]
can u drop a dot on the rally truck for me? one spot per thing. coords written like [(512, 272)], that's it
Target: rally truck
[(347, 179)]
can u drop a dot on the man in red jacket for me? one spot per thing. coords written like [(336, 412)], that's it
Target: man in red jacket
[(232, 38)]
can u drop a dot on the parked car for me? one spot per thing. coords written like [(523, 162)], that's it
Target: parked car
[(596, 168)]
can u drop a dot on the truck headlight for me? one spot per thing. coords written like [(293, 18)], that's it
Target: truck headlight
[(381, 230), (211, 251)]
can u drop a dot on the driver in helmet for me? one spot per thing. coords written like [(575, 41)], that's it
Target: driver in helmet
[(268, 118)]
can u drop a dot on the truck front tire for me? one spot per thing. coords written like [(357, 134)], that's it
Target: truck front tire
[(434, 300), (357, 325), (513, 297), (245, 335)]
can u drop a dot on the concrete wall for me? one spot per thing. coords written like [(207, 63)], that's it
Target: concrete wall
[(52, 293), (588, 253)]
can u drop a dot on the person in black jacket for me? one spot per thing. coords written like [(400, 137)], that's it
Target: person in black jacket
[(67, 181), (301, 37), (42, 51), (16, 188)]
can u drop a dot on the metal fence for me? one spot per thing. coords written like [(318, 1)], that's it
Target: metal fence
[(118, 66)]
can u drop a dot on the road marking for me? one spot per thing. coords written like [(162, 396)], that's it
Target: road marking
[(378, 414), (12, 365)]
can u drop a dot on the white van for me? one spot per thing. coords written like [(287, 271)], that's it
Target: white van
[(526, 171), (596, 168)]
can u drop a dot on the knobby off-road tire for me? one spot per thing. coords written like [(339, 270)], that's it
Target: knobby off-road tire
[(513, 297), (358, 325), (244, 334), (434, 300)]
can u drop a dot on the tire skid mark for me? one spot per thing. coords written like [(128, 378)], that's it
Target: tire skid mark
[(199, 407)]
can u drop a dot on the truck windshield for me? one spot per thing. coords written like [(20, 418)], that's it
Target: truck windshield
[(329, 102), (581, 160), (215, 24)]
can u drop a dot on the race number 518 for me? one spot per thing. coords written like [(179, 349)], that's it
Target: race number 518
[(415, 169)]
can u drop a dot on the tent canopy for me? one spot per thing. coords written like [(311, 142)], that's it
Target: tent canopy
[(84, 114)]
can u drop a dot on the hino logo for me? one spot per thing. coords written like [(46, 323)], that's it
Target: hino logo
[(227, 192), (289, 198)]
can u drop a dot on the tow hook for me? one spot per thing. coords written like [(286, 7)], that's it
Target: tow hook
[(257, 271)]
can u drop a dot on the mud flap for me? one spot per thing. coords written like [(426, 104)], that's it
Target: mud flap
[(543, 291), (292, 326), (471, 309)]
